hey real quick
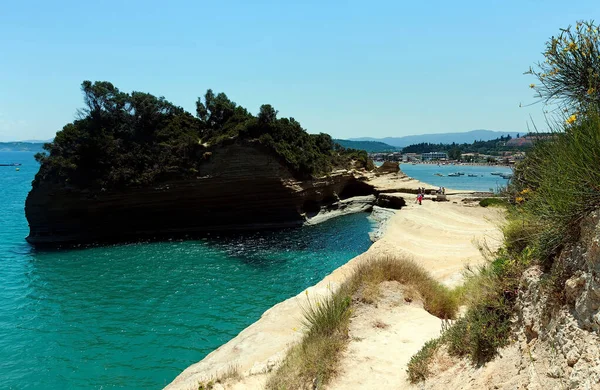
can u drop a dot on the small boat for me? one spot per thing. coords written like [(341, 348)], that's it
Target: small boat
[(506, 175), (17, 169), (438, 174), (461, 173), (10, 165), (496, 173), (455, 174), (472, 175)]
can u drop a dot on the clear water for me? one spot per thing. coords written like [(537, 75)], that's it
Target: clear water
[(134, 316), (485, 181)]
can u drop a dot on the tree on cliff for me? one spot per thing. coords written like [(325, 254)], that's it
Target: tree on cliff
[(122, 139)]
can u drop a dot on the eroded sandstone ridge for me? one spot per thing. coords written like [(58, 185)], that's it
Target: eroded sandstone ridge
[(241, 186)]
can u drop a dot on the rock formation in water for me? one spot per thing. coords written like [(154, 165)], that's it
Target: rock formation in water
[(242, 186), (136, 166)]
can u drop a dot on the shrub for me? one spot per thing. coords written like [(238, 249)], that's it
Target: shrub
[(418, 366), (494, 202), (570, 73)]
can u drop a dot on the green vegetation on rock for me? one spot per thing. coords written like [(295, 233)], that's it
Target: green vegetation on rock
[(134, 139)]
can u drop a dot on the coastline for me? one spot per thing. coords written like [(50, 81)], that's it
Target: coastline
[(441, 236)]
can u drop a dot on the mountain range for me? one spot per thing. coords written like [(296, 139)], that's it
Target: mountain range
[(445, 138), (21, 146), (369, 146)]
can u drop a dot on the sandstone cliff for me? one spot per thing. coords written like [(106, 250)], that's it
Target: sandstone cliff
[(241, 186)]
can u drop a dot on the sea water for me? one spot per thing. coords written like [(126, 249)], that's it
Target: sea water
[(134, 316), (483, 181)]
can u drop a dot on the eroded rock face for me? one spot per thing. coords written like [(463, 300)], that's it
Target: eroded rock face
[(242, 186), (389, 167), (566, 336)]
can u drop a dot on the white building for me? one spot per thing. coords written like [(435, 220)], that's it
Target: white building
[(434, 156)]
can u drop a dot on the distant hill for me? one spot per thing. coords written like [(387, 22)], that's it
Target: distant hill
[(369, 146), (445, 138), (21, 147), (37, 141)]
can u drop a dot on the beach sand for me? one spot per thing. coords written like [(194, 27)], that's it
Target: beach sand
[(443, 237)]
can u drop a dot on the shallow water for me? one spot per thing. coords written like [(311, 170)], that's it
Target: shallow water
[(134, 316), (485, 181)]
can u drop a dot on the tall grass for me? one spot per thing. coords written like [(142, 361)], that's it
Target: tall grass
[(559, 182), (314, 361)]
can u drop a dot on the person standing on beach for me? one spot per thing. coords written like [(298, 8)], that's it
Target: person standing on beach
[(419, 198)]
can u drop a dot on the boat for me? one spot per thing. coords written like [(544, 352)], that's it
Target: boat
[(438, 174), (10, 165), (455, 174), (506, 175), (496, 173), (472, 175), (461, 173)]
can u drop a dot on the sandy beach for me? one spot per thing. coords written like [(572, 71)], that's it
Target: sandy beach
[(443, 237)]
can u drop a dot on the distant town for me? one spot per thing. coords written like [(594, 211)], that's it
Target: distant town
[(504, 150)]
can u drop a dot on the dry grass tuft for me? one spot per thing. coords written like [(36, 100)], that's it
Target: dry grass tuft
[(312, 363)]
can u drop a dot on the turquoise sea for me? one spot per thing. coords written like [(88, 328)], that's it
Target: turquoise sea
[(484, 181), (134, 316)]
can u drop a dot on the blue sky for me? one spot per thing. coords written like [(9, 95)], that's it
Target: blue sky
[(348, 68)]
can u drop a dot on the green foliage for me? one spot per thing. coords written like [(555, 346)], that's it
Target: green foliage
[(455, 150), (418, 366), (494, 202), (137, 139), (570, 73), (454, 154), (559, 182)]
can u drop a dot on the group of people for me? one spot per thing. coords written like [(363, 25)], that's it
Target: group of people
[(421, 193)]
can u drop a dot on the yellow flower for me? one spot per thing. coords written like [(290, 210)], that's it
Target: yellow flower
[(520, 199), (591, 91), (571, 119), (532, 86), (572, 46), (526, 191)]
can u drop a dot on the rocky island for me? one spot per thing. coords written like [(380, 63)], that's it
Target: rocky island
[(136, 166)]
